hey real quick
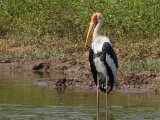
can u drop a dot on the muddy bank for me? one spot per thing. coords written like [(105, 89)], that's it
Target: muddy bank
[(79, 76), (75, 84), (143, 82)]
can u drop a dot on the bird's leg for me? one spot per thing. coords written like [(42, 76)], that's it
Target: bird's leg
[(107, 97), (97, 98)]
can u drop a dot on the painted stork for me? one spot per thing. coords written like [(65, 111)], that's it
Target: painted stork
[(102, 58)]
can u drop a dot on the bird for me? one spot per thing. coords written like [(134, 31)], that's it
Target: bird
[(102, 57)]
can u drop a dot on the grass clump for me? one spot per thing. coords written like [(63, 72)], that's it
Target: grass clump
[(35, 54), (139, 65)]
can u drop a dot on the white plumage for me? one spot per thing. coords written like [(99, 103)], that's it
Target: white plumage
[(98, 43), (112, 65), (100, 67)]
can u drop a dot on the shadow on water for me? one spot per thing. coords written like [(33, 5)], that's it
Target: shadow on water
[(20, 99)]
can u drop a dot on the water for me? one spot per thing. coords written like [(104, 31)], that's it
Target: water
[(21, 100)]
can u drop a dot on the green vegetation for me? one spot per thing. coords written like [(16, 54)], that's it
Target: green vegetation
[(68, 18), (143, 65), (58, 27), (33, 54)]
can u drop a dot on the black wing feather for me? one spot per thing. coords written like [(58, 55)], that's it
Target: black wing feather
[(107, 49), (92, 66)]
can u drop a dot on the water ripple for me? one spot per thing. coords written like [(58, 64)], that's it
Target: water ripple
[(28, 112)]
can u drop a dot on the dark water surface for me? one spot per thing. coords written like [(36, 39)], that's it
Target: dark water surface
[(20, 99)]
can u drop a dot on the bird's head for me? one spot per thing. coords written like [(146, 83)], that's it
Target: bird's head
[(95, 19)]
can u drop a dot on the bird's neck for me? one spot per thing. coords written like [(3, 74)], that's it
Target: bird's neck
[(96, 31)]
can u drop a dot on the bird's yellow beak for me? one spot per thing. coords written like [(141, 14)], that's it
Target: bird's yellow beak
[(89, 34)]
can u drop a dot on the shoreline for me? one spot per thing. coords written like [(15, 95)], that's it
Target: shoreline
[(79, 76)]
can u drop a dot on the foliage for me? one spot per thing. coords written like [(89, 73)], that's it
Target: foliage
[(32, 54), (68, 18), (140, 65)]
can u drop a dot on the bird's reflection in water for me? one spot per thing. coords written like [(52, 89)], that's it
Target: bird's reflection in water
[(106, 107), (106, 115)]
